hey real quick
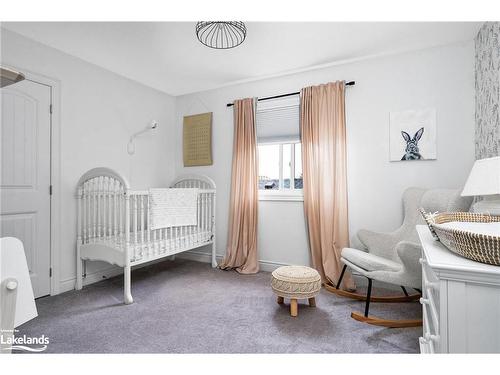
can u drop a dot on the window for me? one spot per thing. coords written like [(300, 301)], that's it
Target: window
[(279, 149), (274, 175)]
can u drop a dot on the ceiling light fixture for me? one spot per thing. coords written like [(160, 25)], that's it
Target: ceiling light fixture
[(221, 34)]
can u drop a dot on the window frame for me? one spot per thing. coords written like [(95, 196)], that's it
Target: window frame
[(281, 194)]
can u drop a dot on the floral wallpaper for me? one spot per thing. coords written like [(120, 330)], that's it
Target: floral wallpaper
[(487, 73)]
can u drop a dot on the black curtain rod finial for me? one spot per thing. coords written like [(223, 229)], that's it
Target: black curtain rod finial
[(350, 83)]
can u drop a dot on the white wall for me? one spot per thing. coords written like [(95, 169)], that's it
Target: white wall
[(442, 78), (99, 110)]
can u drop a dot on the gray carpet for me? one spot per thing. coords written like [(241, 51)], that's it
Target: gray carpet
[(188, 307)]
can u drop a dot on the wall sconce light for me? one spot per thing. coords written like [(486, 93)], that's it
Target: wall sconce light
[(131, 145)]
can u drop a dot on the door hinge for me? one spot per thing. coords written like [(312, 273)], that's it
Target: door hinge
[(50, 272), (50, 108), (50, 189)]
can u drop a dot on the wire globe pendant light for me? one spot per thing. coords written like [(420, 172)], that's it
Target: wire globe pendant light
[(221, 34)]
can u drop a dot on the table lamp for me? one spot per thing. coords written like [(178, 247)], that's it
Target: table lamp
[(484, 180)]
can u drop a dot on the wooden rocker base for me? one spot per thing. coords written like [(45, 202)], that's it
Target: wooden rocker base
[(373, 320), (362, 297)]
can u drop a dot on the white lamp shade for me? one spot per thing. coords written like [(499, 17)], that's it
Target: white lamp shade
[(484, 178)]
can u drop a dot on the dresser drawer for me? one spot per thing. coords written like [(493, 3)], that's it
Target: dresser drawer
[(430, 328), (430, 286), (430, 307)]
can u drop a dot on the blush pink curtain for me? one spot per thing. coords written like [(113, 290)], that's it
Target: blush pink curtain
[(241, 252), (323, 134)]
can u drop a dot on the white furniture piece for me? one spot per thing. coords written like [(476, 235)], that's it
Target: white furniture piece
[(17, 303), (460, 301), (113, 223), (484, 180)]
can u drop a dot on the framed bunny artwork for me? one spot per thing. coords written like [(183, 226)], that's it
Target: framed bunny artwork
[(413, 135)]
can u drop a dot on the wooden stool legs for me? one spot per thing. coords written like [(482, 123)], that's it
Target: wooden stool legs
[(293, 307)]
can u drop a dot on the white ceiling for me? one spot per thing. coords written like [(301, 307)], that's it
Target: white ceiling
[(167, 56)]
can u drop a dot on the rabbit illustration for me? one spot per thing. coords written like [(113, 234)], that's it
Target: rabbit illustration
[(412, 151)]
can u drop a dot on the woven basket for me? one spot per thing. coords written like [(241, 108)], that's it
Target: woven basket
[(479, 247)]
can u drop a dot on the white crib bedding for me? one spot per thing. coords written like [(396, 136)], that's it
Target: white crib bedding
[(168, 243)]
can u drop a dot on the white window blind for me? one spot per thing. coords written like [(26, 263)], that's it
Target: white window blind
[(278, 120)]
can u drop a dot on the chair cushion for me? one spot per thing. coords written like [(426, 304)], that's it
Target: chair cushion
[(296, 282), (369, 262)]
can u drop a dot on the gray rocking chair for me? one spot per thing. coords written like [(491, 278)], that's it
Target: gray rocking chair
[(394, 257)]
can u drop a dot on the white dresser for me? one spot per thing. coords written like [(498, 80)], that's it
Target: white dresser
[(460, 301)]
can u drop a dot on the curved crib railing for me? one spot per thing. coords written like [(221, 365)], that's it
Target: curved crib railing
[(113, 223)]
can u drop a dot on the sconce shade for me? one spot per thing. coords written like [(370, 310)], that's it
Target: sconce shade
[(484, 178), (9, 77)]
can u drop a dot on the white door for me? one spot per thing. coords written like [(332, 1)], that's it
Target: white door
[(25, 175)]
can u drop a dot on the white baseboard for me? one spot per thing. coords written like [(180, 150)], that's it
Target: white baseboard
[(197, 256), (96, 276), (200, 256), (69, 284)]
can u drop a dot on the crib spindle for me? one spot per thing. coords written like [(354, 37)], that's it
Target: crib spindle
[(177, 242), (183, 236), (207, 220), (84, 212), (150, 248), (135, 225), (169, 236), (89, 210), (121, 229), (115, 209), (110, 209), (203, 216), (79, 231), (94, 214), (141, 213), (155, 243), (104, 207), (99, 208), (198, 213), (209, 212), (164, 240)]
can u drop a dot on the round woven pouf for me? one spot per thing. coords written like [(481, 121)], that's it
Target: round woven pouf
[(296, 282)]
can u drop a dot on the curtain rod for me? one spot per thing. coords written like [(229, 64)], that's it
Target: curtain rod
[(350, 83)]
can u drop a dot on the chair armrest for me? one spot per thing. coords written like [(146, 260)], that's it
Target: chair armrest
[(410, 253)]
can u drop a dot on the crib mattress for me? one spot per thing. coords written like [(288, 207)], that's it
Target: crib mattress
[(142, 250)]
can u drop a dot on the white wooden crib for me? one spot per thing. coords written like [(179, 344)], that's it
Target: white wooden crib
[(113, 223)]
